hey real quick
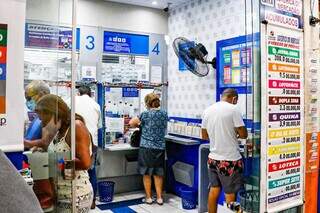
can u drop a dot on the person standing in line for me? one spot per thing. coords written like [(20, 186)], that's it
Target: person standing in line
[(223, 125), (89, 109), (52, 110), (39, 136), (36, 135), (151, 159)]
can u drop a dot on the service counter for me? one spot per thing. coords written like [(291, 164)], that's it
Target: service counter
[(182, 165), (118, 163)]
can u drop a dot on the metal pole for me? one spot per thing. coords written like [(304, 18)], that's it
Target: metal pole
[(73, 87)]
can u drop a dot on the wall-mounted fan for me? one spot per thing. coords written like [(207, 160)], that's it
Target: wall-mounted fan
[(193, 55)]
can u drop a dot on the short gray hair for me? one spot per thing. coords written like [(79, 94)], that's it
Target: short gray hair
[(230, 93), (38, 87)]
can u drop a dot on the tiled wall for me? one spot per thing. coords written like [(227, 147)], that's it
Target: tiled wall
[(205, 21)]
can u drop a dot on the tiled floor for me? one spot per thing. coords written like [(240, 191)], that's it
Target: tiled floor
[(172, 204)]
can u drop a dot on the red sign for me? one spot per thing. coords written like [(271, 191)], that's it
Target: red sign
[(273, 100), (284, 84), (3, 55), (284, 165)]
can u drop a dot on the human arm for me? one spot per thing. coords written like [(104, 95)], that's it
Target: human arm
[(43, 143), (134, 122), (204, 134), (242, 132), (240, 128), (204, 126), (83, 143)]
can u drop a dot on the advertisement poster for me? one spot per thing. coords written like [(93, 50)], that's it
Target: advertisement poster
[(127, 43), (11, 75), (285, 108), (236, 64), (3, 67), (283, 13), (49, 36)]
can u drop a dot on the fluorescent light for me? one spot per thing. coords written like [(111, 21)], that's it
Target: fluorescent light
[(154, 2)]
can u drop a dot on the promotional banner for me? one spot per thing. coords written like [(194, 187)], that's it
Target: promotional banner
[(49, 36), (11, 74), (283, 13), (285, 114), (127, 43)]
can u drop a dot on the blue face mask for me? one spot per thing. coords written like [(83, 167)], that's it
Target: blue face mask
[(31, 105)]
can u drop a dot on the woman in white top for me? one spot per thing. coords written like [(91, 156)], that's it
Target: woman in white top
[(54, 111)]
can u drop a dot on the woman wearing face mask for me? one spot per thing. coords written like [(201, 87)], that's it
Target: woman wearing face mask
[(55, 113)]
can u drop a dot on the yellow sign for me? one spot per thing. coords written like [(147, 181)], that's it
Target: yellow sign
[(284, 149), (280, 133)]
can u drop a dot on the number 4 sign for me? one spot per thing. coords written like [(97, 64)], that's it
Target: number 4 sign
[(156, 49)]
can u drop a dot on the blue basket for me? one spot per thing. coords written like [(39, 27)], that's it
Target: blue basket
[(106, 190), (189, 198)]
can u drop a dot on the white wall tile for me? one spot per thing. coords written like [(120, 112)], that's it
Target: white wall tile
[(206, 21)]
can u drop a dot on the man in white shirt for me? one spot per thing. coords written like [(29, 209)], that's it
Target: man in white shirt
[(89, 109), (222, 124)]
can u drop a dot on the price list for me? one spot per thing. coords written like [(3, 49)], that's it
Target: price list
[(285, 116)]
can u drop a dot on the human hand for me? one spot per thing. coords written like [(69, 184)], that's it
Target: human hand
[(52, 126), (27, 144)]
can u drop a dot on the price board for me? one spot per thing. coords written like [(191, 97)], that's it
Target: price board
[(284, 103)]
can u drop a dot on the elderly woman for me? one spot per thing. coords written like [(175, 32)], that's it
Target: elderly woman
[(54, 112), (153, 124)]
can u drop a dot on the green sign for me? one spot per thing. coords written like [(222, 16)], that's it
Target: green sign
[(227, 57), (284, 181), (3, 37), (284, 52)]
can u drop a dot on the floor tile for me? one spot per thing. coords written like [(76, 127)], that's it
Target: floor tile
[(160, 209), (135, 195), (139, 209)]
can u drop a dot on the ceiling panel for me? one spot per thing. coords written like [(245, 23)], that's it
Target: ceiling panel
[(161, 4)]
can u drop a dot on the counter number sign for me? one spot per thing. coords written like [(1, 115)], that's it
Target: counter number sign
[(156, 49), (90, 42)]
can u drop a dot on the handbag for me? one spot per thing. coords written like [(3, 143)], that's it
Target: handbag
[(135, 138)]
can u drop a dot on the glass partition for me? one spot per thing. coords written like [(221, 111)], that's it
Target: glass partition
[(48, 89)]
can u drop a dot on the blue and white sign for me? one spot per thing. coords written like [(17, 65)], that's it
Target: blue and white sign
[(50, 36), (116, 42), (130, 92)]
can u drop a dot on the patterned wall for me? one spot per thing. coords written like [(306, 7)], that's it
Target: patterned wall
[(205, 21)]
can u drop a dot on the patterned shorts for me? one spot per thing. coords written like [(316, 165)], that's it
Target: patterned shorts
[(226, 174)]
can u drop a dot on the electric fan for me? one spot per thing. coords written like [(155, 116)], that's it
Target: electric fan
[(193, 55)]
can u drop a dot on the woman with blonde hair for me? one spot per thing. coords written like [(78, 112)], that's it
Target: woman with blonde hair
[(54, 112), (153, 124)]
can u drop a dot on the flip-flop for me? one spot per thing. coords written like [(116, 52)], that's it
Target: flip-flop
[(147, 201), (160, 202)]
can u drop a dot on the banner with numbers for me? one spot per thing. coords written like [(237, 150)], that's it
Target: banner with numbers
[(11, 74), (285, 114)]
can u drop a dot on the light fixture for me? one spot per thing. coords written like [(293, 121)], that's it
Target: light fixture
[(154, 3)]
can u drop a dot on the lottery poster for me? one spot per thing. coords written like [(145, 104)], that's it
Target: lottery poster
[(284, 13), (3, 67), (285, 135)]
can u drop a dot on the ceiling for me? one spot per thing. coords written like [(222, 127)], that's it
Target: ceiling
[(161, 4)]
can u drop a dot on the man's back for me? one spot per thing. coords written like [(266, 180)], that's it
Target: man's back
[(90, 111), (220, 121)]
